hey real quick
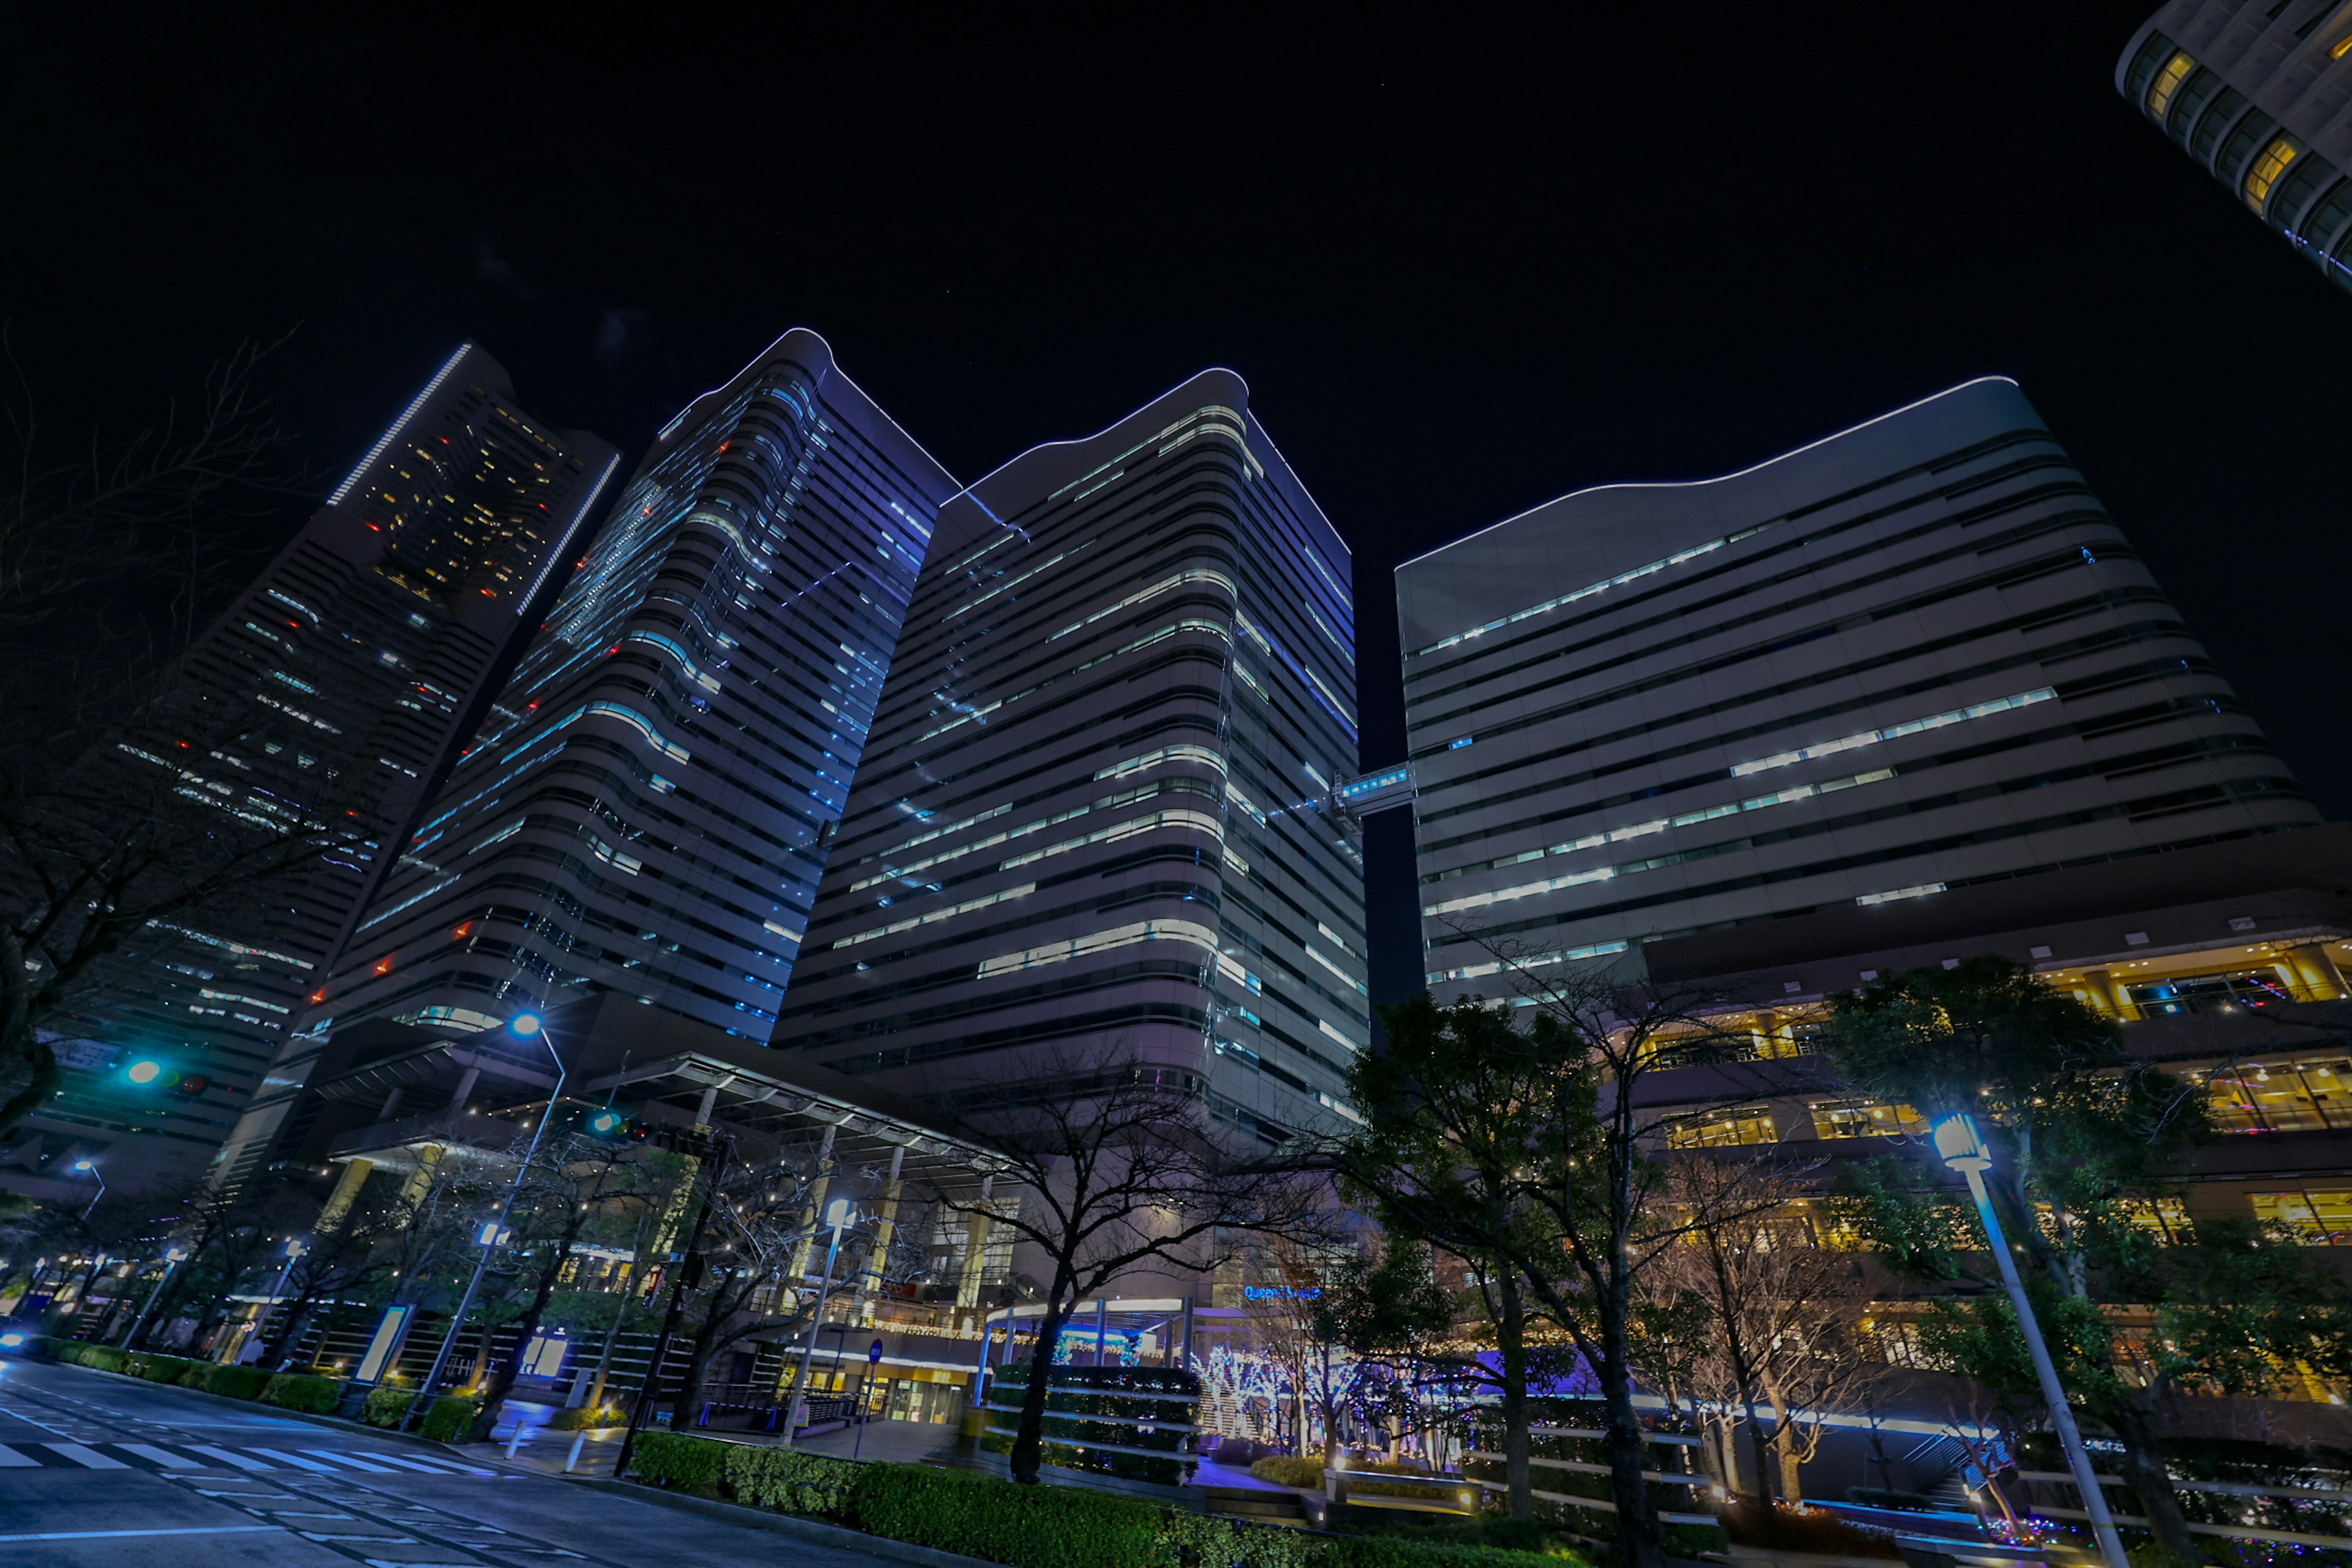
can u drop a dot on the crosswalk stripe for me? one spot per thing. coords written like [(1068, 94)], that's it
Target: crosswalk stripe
[(296, 1461), (88, 1458), (164, 1456), (354, 1461), (238, 1461), (9, 1456), (427, 1466)]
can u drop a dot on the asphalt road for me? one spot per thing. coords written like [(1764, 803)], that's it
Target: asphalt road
[(97, 1471)]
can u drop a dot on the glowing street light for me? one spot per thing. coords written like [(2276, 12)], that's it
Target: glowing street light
[(90, 1168), (144, 1071), (525, 1025), (1961, 1143)]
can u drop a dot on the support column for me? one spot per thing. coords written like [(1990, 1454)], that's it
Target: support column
[(465, 1088), (812, 1215), (702, 1112), (420, 1180), (975, 1249), (886, 1231), (347, 1190), (2108, 995), (2314, 970), (390, 1106)]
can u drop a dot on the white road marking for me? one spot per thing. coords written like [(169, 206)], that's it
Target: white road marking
[(296, 1461), (164, 1456), (427, 1466), (354, 1461), (10, 1457), (88, 1458), (116, 1534), (237, 1460)]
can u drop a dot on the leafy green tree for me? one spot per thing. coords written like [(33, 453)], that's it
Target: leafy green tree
[(1454, 1119), (2085, 1144)]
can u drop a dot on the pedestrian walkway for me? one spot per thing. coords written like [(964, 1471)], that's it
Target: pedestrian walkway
[(190, 1457)]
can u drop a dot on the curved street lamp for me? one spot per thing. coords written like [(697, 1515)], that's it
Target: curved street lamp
[(1959, 1142), (523, 1026)]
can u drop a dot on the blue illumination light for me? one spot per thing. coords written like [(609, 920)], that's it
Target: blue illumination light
[(525, 1025)]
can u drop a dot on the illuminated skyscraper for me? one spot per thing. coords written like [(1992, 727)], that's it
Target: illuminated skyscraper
[(2256, 95), (649, 804), (1093, 821), (1913, 657), (345, 673)]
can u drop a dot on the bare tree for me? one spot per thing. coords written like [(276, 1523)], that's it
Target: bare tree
[(114, 835), (1778, 1307), (1119, 1168)]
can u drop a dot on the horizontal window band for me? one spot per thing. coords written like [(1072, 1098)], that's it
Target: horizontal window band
[(2017, 574), (1933, 466), (2235, 792), (2113, 545), (2173, 711)]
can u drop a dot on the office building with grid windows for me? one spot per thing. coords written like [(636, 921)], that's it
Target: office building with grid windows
[(2261, 96), (1913, 658), (339, 681), (1094, 821), (650, 801)]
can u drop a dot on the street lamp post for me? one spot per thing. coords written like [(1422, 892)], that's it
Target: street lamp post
[(172, 1257), (522, 1027), (1961, 1143), (294, 1249), (837, 1215), (91, 1167)]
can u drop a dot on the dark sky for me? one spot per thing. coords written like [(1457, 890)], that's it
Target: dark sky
[(1468, 258)]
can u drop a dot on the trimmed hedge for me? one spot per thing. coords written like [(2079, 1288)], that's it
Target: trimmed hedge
[(236, 1382), (587, 1418), (104, 1358), (1027, 1527), (446, 1420), (294, 1391), (1289, 1470), (387, 1406), (157, 1368)]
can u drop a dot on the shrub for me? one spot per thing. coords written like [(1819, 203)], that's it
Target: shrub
[(587, 1418), (790, 1482), (103, 1358), (1804, 1530), (446, 1420), (387, 1406), (294, 1391), (157, 1368), (1207, 1541), (1027, 1527), (40, 1347), (674, 1460), (236, 1382), (1287, 1470)]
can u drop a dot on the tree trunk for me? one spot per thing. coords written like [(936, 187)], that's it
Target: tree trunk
[(1029, 1438), (1628, 1447), (502, 1382), (1511, 1338), (2143, 1468)]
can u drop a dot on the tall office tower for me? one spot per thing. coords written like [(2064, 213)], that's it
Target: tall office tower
[(1915, 656), (1093, 819), (2261, 96), (345, 673), (648, 807)]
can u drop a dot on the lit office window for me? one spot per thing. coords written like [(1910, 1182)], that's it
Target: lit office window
[(2281, 1097), (2267, 168), (2313, 1218), (2168, 82), (1725, 1128), (1865, 1119)]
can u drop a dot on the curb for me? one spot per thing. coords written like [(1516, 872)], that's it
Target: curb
[(308, 1417), (787, 1524)]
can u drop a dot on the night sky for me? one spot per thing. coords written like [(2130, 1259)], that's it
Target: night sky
[(1467, 259)]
